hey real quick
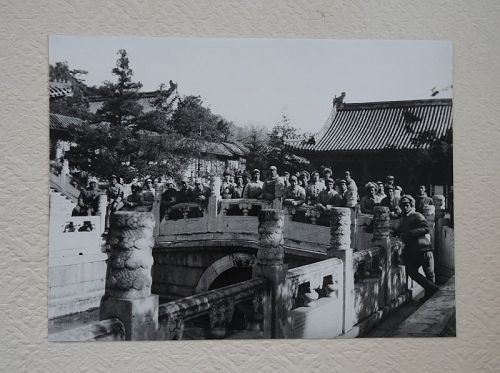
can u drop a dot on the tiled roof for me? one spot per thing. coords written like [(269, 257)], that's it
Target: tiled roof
[(376, 126), (58, 90), (62, 122)]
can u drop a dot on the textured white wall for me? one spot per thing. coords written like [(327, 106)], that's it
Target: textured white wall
[(24, 27)]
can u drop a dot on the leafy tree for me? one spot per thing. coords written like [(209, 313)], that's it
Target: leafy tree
[(76, 105), (192, 119), (278, 153), (121, 107), (256, 142)]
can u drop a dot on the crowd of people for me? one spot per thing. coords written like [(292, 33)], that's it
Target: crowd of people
[(315, 189)]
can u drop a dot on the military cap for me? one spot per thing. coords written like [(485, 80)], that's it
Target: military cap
[(327, 170), (227, 172), (408, 199), (329, 180), (92, 180), (389, 177), (256, 171), (293, 177), (273, 168), (113, 177), (340, 181)]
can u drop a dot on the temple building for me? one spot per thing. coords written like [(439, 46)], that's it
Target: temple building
[(408, 139)]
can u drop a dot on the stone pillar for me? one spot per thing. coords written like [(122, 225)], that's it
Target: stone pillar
[(439, 204), (381, 229), (213, 201), (101, 211), (128, 276), (340, 247), (429, 213), (64, 172), (269, 264)]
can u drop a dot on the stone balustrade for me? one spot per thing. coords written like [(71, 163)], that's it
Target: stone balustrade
[(218, 305)]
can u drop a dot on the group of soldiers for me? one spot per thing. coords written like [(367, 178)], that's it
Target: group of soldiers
[(389, 194)]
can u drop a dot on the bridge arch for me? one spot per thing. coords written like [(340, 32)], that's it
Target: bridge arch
[(226, 263)]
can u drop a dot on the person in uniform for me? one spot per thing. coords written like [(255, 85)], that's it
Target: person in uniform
[(253, 189), (314, 188), (417, 251), (200, 193), (327, 174), (369, 201), (134, 201), (273, 186), (380, 195), (226, 188), (295, 195), (88, 200), (184, 193), (286, 178), (326, 198), (341, 199), (238, 188), (392, 202), (390, 181), (115, 198), (168, 198), (148, 192), (422, 199)]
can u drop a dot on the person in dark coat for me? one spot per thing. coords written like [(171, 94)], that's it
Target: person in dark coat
[(392, 202), (417, 252), (88, 200), (422, 199), (168, 198)]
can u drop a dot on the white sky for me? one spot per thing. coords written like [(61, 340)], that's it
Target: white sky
[(254, 81)]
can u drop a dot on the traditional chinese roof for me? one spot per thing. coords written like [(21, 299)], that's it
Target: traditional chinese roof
[(375, 126), (145, 100), (63, 122), (60, 89)]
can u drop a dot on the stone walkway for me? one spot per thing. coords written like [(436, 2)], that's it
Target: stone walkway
[(434, 318)]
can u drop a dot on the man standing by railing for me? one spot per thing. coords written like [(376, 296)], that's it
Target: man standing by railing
[(274, 186), (253, 189), (88, 200), (415, 234), (115, 198), (295, 195)]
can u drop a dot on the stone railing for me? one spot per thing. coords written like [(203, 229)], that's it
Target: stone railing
[(213, 311), (242, 206), (315, 290), (319, 300)]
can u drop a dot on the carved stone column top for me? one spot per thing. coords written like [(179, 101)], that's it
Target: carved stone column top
[(381, 222), (429, 211), (215, 184), (271, 240), (340, 228)]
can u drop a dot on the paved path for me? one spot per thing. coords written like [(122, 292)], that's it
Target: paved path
[(434, 318)]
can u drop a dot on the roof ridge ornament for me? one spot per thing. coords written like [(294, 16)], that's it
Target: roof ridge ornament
[(338, 102)]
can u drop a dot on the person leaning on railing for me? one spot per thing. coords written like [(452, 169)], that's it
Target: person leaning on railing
[(253, 189), (168, 198), (369, 201), (417, 252), (115, 198), (239, 187), (200, 193), (88, 200), (295, 195), (326, 198), (227, 186), (135, 200), (272, 184), (392, 202), (314, 188)]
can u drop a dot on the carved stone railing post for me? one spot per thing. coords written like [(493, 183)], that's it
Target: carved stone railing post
[(269, 264), (381, 230), (128, 276), (440, 205), (101, 211), (340, 247), (213, 201), (219, 316), (429, 213), (156, 213)]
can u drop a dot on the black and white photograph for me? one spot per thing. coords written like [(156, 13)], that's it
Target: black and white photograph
[(246, 188)]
